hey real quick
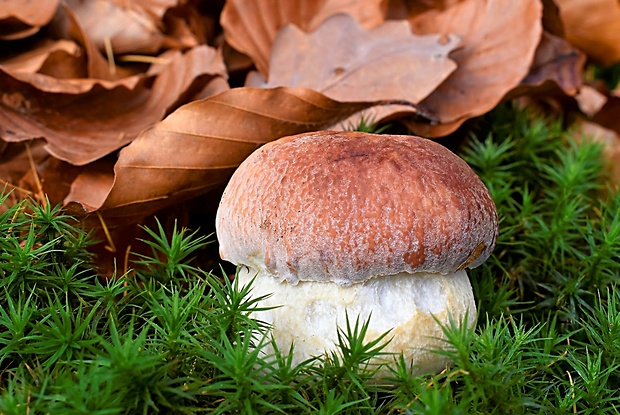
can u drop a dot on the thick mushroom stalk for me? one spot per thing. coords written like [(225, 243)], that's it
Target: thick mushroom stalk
[(339, 222)]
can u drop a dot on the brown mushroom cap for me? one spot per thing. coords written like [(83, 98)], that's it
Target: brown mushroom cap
[(348, 206)]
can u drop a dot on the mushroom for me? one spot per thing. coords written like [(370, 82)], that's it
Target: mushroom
[(331, 224)]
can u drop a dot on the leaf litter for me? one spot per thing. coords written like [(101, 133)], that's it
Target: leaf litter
[(128, 108)]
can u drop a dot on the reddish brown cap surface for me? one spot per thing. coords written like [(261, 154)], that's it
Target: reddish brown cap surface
[(347, 207)]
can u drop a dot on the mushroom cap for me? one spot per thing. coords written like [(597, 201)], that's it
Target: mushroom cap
[(346, 207)]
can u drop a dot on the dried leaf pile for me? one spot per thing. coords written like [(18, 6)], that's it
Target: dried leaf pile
[(118, 109)]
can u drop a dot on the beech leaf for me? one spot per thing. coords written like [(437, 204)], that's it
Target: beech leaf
[(499, 40), (22, 18), (197, 147), (131, 27), (592, 26), (56, 58), (83, 120)]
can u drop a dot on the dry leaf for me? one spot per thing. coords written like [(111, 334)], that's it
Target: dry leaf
[(387, 62), (551, 20), (83, 120), (405, 9), (607, 116), (197, 147), (22, 18), (130, 27), (250, 26), (556, 62), (608, 138), (593, 26), (590, 101), (15, 164), (60, 59), (499, 40)]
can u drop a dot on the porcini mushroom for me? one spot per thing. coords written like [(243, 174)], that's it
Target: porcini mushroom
[(335, 223)]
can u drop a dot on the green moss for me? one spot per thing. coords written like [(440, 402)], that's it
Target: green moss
[(176, 339)]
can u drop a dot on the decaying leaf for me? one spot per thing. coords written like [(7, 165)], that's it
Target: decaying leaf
[(592, 26), (129, 27), (387, 62), (22, 18), (250, 26), (83, 120), (499, 40), (556, 62), (197, 147)]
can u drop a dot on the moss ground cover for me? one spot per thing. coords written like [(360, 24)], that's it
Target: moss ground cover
[(169, 337)]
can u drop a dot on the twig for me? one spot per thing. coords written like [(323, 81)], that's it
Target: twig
[(107, 43), (111, 247)]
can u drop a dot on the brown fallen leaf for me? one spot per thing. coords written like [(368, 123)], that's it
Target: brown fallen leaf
[(610, 139), (83, 120), (15, 163), (590, 101), (56, 58), (129, 27), (551, 20), (197, 148), (499, 40), (250, 26), (557, 64), (593, 27), (405, 9), (66, 25), (387, 62), (607, 116), (22, 18), (189, 24)]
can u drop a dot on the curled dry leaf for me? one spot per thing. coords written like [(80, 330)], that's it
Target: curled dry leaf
[(593, 26), (556, 64), (387, 62), (130, 27), (83, 120), (197, 148), (499, 39), (250, 26), (22, 18), (56, 58)]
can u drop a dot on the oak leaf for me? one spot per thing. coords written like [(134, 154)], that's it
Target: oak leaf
[(250, 26), (387, 62)]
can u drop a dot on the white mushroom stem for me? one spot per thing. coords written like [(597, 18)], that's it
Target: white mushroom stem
[(410, 305)]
